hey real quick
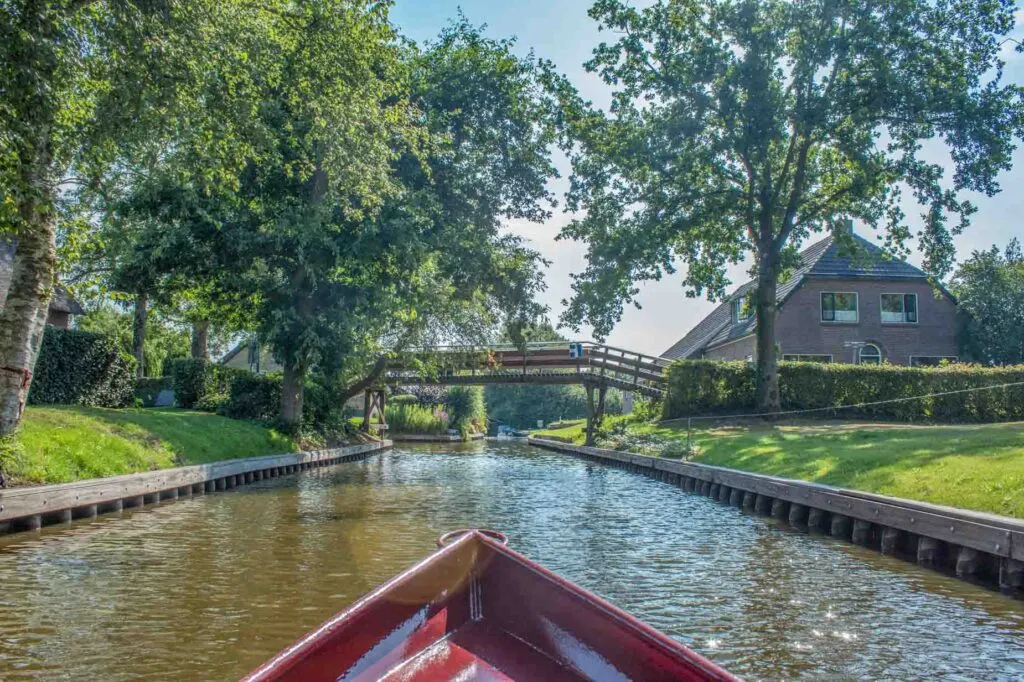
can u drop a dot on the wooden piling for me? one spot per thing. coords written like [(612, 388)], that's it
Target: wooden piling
[(112, 506), (840, 526), (736, 498), (152, 498), (171, 494), (1011, 574), (780, 509), (763, 505), (723, 493), (816, 519), (797, 515), (88, 511), (29, 523), (928, 550), (713, 494), (748, 501), (968, 561), (891, 540), (863, 533)]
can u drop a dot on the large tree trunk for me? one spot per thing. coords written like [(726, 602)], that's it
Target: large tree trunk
[(139, 334), (23, 319), (767, 357), (291, 396), (200, 339)]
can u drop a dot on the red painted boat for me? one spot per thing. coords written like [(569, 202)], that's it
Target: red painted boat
[(476, 610)]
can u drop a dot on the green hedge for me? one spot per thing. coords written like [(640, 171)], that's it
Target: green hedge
[(702, 387), (147, 389), (81, 368), (198, 383), (258, 397)]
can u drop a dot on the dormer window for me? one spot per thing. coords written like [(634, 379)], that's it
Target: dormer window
[(741, 310)]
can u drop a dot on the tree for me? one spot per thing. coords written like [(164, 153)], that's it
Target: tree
[(989, 287), (741, 127), (366, 213), (83, 82)]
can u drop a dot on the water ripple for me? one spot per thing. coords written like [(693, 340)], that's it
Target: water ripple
[(210, 587)]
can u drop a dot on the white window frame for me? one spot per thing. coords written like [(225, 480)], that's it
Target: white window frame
[(903, 302), (831, 359), (951, 358), (860, 351), (737, 311), (856, 307)]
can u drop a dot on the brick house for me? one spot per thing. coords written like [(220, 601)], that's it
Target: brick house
[(839, 305), (62, 304)]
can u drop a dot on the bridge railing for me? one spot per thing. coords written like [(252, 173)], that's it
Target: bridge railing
[(543, 362)]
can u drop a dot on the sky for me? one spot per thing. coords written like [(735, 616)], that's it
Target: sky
[(561, 31)]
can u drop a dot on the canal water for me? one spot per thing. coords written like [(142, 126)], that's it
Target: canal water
[(208, 588)]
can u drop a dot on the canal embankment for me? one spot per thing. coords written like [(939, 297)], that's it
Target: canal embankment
[(976, 546), (433, 437), (32, 507), (968, 466), (62, 444)]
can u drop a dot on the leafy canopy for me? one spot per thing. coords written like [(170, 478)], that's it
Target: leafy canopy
[(989, 287), (741, 127)]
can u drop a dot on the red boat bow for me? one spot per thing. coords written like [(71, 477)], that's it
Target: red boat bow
[(477, 610)]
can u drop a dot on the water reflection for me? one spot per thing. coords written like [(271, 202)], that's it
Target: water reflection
[(208, 588)]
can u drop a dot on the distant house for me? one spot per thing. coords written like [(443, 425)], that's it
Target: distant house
[(837, 306), (62, 304), (252, 356)]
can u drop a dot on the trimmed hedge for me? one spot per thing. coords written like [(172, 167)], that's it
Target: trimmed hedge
[(708, 387), (82, 368), (258, 397), (197, 381), (148, 389)]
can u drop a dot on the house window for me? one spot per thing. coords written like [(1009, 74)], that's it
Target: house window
[(931, 360), (838, 307), (742, 310), (899, 308), (797, 357), (869, 355)]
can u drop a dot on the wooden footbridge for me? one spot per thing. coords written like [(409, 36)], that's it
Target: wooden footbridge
[(597, 367)]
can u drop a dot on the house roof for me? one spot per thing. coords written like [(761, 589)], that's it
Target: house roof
[(826, 259), (61, 301)]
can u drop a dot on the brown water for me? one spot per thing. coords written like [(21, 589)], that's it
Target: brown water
[(208, 588)]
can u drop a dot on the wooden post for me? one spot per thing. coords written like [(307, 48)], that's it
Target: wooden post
[(968, 561), (367, 407), (816, 519), (590, 415), (841, 526), (780, 508), (748, 501), (1011, 574), (736, 497), (763, 505), (927, 550), (862, 532), (798, 515), (891, 540)]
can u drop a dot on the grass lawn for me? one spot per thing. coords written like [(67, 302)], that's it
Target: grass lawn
[(977, 467), (61, 444)]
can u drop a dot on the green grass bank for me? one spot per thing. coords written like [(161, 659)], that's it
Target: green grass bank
[(979, 467), (63, 444)]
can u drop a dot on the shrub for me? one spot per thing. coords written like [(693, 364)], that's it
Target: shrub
[(255, 396), (82, 368), (412, 418), (192, 379), (466, 410), (147, 389), (698, 387)]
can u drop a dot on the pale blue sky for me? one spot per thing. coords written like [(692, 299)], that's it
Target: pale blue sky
[(561, 31)]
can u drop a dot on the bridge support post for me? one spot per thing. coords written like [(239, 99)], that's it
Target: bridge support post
[(373, 399), (590, 415)]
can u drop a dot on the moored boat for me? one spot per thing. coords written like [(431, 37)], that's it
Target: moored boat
[(477, 610)]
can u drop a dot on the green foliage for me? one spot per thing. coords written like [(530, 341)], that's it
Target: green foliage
[(738, 129), (147, 389), (254, 396), (80, 368), (192, 379), (415, 419), (989, 288), (522, 406), (467, 411), (164, 339), (703, 387)]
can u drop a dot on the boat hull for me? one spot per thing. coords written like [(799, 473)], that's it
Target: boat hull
[(477, 610)]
